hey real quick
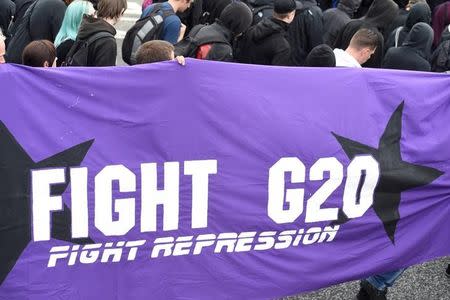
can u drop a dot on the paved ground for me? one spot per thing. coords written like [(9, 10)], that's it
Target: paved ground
[(422, 282)]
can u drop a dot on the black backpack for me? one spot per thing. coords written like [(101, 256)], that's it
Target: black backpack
[(78, 54), (145, 29), (188, 47), (260, 9)]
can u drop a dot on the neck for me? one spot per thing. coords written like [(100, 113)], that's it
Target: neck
[(175, 5), (112, 22), (354, 53)]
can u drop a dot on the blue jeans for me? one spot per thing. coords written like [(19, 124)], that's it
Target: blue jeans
[(385, 280)]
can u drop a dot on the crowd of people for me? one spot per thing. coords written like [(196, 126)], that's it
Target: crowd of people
[(393, 34)]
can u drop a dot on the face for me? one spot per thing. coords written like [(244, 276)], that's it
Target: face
[(185, 4), (2, 50), (291, 17), (366, 53)]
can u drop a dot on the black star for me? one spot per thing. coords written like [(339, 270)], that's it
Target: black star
[(396, 175), (15, 208)]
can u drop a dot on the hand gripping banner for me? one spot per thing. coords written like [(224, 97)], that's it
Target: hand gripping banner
[(217, 181)]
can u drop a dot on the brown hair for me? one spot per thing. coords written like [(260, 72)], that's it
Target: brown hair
[(365, 38), (38, 52), (110, 9), (154, 51)]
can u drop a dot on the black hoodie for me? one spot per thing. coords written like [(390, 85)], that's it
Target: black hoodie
[(334, 19), (415, 51), (102, 52), (266, 44), (420, 12)]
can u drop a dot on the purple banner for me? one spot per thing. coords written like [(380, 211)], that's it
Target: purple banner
[(217, 181)]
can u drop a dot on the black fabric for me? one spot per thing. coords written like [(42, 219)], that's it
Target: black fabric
[(381, 14), (415, 51), (62, 50), (212, 10), (284, 6), (21, 7), (321, 56), (305, 31), (43, 24), (104, 51), (440, 60), (7, 9), (266, 44), (334, 19), (236, 17), (420, 12), (192, 16)]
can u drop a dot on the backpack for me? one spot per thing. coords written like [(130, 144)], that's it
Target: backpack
[(21, 38), (78, 54), (145, 29), (189, 46), (440, 61), (260, 9)]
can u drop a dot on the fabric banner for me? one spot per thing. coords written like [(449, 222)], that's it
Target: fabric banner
[(217, 181)]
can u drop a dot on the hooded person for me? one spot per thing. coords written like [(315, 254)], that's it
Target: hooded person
[(440, 60), (216, 40), (41, 21), (420, 12), (266, 43), (441, 19), (380, 15), (98, 31), (306, 30), (334, 19), (321, 56), (415, 51)]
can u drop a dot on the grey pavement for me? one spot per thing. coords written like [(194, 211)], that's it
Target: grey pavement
[(422, 282)]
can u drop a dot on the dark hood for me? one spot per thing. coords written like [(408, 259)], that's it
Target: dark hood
[(420, 12), (381, 14), (268, 27), (214, 32), (215, 7), (90, 25), (420, 39), (306, 3), (237, 17), (260, 2), (349, 6)]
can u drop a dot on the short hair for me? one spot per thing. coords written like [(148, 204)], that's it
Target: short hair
[(38, 52), (154, 51), (111, 8), (365, 38)]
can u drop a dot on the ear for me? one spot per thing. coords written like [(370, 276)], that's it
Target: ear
[(46, 64)]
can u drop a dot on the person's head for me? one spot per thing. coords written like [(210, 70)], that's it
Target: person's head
[(111, 10), (419, 12), (321, 56), (154, 51), (363, 44), (381, 14), (72, 20), (2, 47), (180, 5), (40, 53), (420, 38), (411, 3), (284, 10), (237, 17), (441, 19)]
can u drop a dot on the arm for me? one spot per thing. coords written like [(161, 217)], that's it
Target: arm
[(105, 52), (283, 57)]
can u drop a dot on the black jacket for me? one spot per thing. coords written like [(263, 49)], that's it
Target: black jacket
[(420, 12), (21, 7), (266, 44), (440, 60), (102, 52), (7, 8), (306, 31), (220, 51), (415, 51), (334, 19), (44, 23)]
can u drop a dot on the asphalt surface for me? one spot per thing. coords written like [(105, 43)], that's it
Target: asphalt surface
[(422, 282)]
